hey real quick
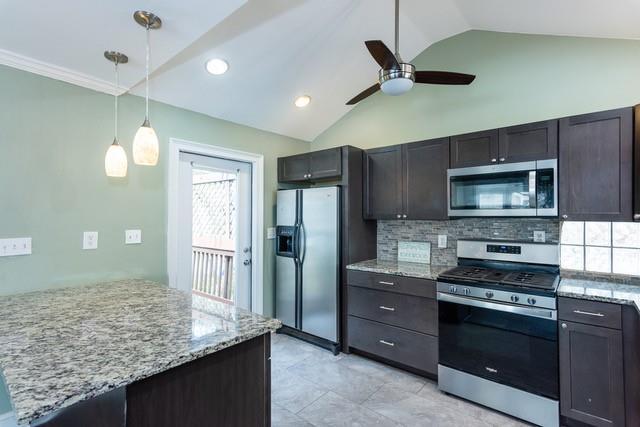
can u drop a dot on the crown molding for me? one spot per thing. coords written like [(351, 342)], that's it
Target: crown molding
[(45, 69)]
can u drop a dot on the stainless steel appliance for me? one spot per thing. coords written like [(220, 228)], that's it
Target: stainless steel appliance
[(515, 189), (307, 263), (498, 328)]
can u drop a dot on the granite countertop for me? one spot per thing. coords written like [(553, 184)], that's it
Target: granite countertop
[(59, 347), (599, 290), (409, 269)]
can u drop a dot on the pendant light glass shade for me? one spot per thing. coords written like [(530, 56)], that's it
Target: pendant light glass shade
[(115, 162), (146, 148)]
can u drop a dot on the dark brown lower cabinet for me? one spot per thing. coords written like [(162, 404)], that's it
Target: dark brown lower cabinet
[(591, 374), (394, 319)]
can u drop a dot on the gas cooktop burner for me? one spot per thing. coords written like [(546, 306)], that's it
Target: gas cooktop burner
[(538, 280)]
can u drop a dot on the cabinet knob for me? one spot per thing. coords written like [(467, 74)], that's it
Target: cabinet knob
[(636, 217), (565, 216), (399, 216), (502, 159), (564, 326), (494, 160), (404, 216)]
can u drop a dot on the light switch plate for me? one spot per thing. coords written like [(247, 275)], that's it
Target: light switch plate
[(132, 237), (442, 240), (271, 233), (15, 246), (539, 236), (90, 240)]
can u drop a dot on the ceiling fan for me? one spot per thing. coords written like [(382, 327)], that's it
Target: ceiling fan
[(397, 77)]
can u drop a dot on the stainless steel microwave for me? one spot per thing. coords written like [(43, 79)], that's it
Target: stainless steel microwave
[(512, 189)]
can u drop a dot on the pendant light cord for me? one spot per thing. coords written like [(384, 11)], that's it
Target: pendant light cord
[(147, 76), (115, 130)]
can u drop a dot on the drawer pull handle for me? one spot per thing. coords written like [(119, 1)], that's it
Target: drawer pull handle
[(390, 344), (386, 283), (382, 307), (588, 313)]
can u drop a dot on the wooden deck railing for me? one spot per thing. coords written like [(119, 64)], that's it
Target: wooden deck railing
[(213, 272)]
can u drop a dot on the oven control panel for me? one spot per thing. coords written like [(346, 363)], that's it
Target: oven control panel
[(504, 249)]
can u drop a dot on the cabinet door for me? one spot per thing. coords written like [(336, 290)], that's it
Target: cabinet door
[(325, 163), (425, 179), (591, 374), (293, 168), (595, 166), (532, 141), (474, 149), (383, 183)]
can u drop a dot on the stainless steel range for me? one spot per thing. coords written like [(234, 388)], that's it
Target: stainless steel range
[(498, 329)]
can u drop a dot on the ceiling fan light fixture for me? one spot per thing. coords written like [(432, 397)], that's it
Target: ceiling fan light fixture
[(302, 101), (217, 66), (397, 81)]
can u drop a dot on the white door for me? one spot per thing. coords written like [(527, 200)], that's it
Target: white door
[(214, 228)]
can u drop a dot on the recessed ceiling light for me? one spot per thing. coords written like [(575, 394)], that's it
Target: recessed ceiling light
[(217, 66), (302, 101)]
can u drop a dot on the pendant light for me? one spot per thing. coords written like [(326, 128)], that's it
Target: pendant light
[(145, 143), (115, 162)]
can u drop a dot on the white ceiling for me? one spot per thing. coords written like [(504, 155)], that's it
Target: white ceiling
[(277, 49)]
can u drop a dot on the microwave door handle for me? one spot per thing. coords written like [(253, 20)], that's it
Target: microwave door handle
[(533, 189)]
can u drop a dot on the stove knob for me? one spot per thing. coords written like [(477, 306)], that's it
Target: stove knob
[(466, 291), (453, 289), (531, 301), (489, 294), (514, 298)]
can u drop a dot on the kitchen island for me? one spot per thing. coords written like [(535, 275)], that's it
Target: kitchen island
[(81, 355)]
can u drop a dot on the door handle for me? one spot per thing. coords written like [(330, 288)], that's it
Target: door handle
[(382, 307)]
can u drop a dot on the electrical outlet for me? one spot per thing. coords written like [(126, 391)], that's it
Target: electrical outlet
[(90, 240), (16, 246), (539, 236), (442, 240), (271, 233), (132, 237)]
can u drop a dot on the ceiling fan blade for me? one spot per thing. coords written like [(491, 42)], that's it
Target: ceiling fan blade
[(365, 93), (443, 78), (381, 53)]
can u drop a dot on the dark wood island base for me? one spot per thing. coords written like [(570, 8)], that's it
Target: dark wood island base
[(231, 387)]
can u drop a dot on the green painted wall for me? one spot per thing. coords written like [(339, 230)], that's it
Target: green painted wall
[(520, 78)]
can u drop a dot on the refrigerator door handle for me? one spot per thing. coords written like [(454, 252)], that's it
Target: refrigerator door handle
[(303, 246)]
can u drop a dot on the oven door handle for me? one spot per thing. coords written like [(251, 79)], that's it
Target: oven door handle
[(508, 308)]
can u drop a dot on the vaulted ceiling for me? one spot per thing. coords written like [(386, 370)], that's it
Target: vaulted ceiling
[(276, 49)]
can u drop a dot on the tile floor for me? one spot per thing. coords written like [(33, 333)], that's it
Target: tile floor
[(311, 387)]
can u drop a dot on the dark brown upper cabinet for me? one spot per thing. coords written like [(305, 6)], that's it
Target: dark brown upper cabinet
[(474, 149), (522, 143), (636, 163), (383, 183), (532, 141), (317, 165), (425, 179), (407, 181), (591, 374), (595, 166)]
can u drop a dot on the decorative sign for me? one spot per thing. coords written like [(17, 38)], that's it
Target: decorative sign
[(419, 252)]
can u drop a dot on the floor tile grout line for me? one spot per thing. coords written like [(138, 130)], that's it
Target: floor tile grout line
[(311, 403)]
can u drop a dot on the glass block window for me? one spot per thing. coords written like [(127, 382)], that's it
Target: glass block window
[(601, 247)]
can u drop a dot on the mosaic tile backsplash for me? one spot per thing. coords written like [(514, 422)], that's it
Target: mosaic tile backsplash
[(390, 232)]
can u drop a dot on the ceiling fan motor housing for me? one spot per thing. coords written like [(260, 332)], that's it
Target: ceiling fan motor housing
[(396, 81)]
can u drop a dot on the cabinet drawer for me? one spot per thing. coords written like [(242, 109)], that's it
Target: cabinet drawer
[(409, 348), (590, 312), (407, 311), (391, 283)]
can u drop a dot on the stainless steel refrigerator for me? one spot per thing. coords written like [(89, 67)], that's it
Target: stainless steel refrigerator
[(308, 262)]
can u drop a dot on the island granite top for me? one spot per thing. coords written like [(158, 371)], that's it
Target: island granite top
[(598, 290), (59, 347), (398, 268)]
